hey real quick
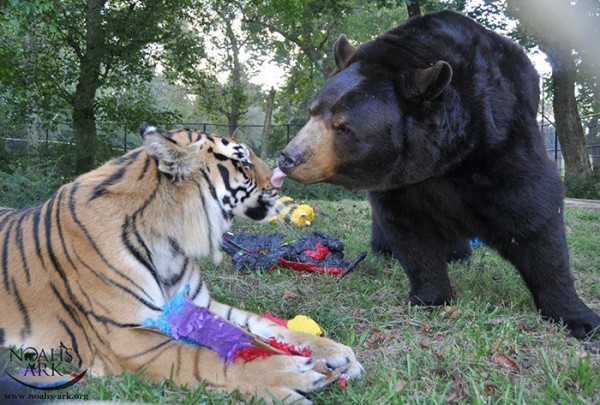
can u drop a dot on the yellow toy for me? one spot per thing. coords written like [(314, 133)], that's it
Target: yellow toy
[(292, 213), (300, 323), (303, 323)]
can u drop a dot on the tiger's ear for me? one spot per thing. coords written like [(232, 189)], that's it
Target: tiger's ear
[(171, 158), (233, 150)]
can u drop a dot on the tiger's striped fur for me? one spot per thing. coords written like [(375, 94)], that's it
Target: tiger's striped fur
[(109, 249)]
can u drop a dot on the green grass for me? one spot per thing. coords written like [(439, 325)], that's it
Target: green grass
[(413, 354)]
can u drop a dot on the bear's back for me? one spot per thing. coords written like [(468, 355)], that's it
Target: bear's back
[(476, 54)]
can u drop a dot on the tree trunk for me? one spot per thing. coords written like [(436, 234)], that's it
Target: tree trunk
[(84, 126), (413, 8), (84, 114), (594, 142), (237, 89), (264, 146), (568, 122)]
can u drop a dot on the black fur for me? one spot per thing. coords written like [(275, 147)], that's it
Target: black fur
[(443, 167)]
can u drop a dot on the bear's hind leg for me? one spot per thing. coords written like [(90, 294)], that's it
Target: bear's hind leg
[(460, 250), (543, 261)]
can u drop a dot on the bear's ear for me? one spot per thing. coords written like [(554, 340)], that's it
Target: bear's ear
[(170, 157), (427, 84), (342, 51)]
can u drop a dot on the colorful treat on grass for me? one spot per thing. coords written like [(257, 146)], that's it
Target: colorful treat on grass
[(184, 320), (317, 252)]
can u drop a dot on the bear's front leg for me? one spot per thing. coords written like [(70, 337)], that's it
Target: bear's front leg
[(416, 242), (380, 245), (424, 262)]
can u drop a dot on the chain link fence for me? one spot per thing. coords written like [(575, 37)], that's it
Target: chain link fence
[(119, 139), (591, 128), (114, 140)]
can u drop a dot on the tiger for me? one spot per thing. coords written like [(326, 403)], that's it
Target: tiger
[(108, 250)]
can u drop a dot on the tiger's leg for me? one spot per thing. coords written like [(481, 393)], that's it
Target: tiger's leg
[(284, 378), (336, 355)]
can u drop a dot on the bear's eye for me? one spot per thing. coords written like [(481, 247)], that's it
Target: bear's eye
[(343, 129)]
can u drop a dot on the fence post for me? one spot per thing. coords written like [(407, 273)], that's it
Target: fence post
[(204, 127), (264, 147), (125, 140), (556, 146)]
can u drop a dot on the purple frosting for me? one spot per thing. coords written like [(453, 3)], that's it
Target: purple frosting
[(201, 326), (183, 319)]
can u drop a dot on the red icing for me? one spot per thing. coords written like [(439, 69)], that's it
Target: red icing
[(289, 348), (268, 315), (320, 253), (251, 353), (299, 266)]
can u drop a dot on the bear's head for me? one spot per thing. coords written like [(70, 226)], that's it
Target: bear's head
[(379, 122)]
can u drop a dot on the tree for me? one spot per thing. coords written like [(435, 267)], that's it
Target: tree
[(89, 45), (226, 98), (416, 7), (264, 145), (26, 89), (301, 35), (413, 7), (306, 26), (540, 19), (219, 78)]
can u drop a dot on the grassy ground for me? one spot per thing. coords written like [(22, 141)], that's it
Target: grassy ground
[(488, 346)]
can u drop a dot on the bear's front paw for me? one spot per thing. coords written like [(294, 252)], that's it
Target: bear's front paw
[(288, 379), (429, 294)]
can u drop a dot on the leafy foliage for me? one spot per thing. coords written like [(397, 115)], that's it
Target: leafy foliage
[(587, 187), (27, 185), (78, 48)]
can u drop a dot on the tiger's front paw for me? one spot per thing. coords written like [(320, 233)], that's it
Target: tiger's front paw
[(289, 379), (336, 356)]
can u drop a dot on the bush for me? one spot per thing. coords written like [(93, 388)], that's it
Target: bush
[(588, 187), (25, 186)]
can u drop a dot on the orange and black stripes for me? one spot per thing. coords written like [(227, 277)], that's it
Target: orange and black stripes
[(106, 251)]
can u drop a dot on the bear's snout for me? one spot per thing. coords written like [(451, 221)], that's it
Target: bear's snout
[(289, 159)]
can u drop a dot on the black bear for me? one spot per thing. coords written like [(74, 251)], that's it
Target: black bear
[(436, 119)]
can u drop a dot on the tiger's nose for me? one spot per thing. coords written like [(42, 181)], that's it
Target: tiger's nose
[(289, 159)]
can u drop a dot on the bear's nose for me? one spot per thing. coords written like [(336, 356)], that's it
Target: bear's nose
[(289, 159)]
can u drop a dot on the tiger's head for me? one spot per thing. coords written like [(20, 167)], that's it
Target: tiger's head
[(238, 181)]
